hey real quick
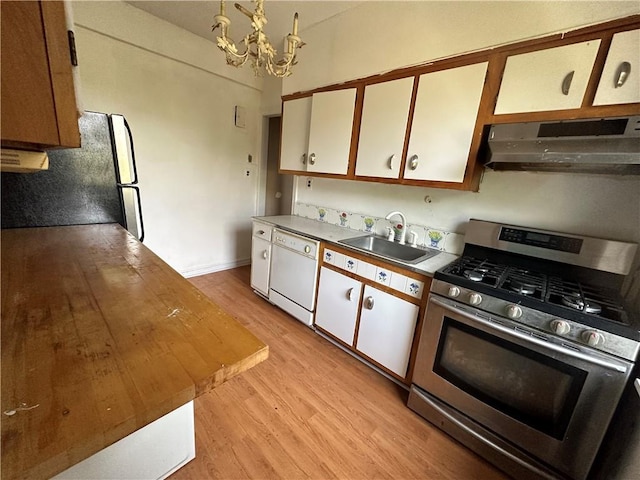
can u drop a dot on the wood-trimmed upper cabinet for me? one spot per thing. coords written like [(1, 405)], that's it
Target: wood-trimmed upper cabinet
[(295, 134), (38, 98), (551, 79), (316, 132), (383, 128), (620, 80), (444, 120), (330, 131)]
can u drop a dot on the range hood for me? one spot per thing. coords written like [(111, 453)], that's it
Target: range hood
[(601, 145)]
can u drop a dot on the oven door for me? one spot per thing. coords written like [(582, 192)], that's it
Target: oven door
[(551, 400)]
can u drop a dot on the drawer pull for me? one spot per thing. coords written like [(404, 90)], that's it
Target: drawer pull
[(304, 158), (566, 83), (312, 159), (622, 74), (369, 303), (261, 232)]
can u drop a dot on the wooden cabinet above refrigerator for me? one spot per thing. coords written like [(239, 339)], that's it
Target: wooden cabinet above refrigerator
[(38, 99)]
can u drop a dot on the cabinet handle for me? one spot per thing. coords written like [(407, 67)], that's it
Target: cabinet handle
[(350, 294), (304, 158), (368, 303), (624, 69), (391, 159), (413, 162), (73, 54), (265, 254), (312, 159), (566, 83), (260, 232)]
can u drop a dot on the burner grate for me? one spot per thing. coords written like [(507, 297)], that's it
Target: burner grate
[(524, 282), (520, 282), (477, 270), (584, 298)]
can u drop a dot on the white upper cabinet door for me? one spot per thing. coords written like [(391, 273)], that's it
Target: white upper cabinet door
[(330, 131), (620, 80), (337, 307), (443, 123), (296, 115), (382, 131), (387, 326), (552, 79)]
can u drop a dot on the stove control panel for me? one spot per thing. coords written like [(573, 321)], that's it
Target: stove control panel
[(540, 239)]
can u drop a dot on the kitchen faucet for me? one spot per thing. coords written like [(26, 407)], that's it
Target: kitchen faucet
[(403, 223)]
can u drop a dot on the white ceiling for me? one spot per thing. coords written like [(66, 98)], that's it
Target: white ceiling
[(197, 16)]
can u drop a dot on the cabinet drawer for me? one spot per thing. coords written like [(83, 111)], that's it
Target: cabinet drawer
[(262, 230)]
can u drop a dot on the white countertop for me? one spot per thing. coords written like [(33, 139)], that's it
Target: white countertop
[(333, 234)]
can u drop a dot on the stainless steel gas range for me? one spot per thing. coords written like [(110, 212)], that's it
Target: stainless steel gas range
[(526, 347)]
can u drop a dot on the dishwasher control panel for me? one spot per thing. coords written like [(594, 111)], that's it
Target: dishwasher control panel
[(302, 245)]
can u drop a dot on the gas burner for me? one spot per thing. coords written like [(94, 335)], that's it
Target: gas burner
[(521, 287), (475, 275), (578, 303)]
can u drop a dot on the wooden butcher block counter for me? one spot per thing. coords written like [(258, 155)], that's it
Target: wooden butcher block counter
[(99, 338)]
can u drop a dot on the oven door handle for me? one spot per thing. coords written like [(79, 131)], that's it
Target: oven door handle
[(618, 367)]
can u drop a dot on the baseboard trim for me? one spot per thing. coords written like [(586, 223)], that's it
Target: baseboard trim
[(195, 272)]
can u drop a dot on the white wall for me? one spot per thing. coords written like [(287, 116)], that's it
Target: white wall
[(381, 36), (178, 97)]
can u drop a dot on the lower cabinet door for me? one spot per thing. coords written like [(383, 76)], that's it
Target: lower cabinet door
[(387, 326), (337, 307), (260, 264)]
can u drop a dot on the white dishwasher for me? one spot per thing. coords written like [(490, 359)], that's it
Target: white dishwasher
[(294, 271)]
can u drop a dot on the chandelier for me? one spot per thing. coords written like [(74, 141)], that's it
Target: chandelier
[(256, 43)]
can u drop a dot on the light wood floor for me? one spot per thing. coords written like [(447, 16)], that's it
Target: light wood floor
[(312, 411)]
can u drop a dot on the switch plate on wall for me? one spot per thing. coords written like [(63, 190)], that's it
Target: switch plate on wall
[(239, 117)]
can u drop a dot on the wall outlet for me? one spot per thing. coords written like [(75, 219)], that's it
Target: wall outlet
[(309, 183)]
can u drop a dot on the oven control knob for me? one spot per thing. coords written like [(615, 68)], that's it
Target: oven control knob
[(560, 327), (475, 299), (514, 311), (454, 291), (592, 338)]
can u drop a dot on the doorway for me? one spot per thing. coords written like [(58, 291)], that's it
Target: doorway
[(279, 188)]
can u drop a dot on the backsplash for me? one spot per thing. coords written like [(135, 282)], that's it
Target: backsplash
[(427, 235)]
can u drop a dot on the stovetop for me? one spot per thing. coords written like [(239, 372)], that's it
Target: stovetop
[(551, 292)]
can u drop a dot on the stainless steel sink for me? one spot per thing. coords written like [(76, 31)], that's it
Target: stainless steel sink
[(384, 248)]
